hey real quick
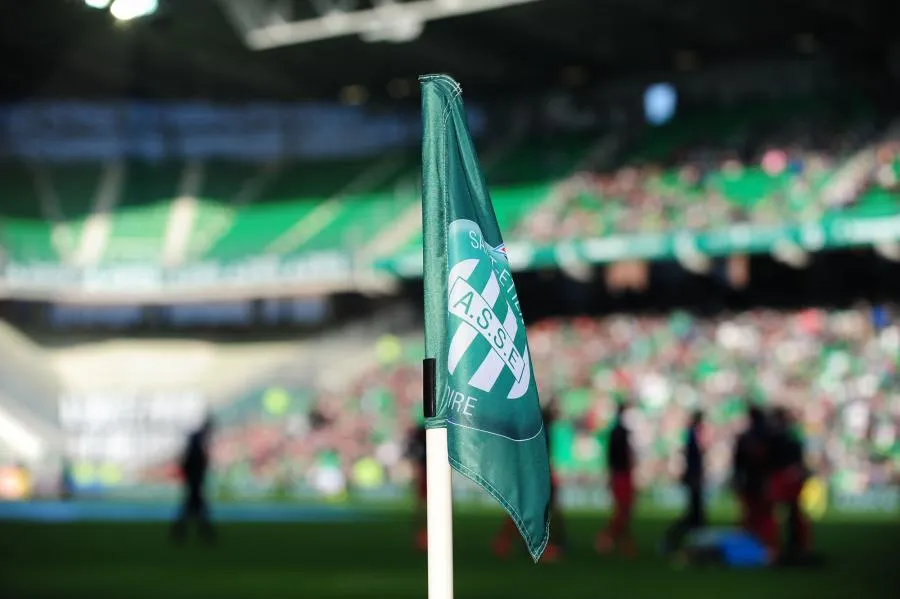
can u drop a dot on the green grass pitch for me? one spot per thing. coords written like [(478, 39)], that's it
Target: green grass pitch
[(375, 559)]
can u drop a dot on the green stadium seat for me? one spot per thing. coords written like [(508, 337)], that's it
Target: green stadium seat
[(276, 220), (24, 231), (254, 227), (357, 221), (28, 241), (137, 233), (138, 224)]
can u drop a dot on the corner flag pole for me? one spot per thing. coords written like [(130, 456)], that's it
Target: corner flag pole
[(439, 504), (476, 349)]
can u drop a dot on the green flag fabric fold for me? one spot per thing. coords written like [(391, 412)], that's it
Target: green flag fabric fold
[(486, 393)]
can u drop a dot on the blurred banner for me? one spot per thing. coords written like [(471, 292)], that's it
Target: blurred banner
[(833, 232), (339, 270), (217, 279), (64, 131)]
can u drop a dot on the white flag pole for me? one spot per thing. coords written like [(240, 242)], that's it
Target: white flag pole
[(439, 504)]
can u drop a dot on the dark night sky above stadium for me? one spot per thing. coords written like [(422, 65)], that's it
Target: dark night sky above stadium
[(61, 49)]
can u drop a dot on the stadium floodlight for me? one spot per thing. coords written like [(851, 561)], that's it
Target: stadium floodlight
[(98, 4), (127, 10), (264, 26), (396, 28), (660, 101)]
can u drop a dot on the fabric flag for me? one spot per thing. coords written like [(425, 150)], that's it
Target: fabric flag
[(486, 392)]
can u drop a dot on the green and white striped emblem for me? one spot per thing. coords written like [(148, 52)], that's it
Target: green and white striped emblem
[(488, 360)]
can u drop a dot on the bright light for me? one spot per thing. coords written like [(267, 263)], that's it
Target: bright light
[(126, 10), (19, 438), (98, 4), (660, 102)]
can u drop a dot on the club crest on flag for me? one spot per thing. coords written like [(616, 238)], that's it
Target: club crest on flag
[(488, 360)]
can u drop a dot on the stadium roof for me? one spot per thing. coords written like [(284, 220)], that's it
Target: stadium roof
[(192, 49)]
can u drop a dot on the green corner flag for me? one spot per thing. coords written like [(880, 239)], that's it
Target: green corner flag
[(485, 388)]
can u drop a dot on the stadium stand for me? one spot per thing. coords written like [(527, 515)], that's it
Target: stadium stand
[(299, 207), (239, 210), (213, 209), (759, 164), (836, 370), (766, 164), (762, 165)]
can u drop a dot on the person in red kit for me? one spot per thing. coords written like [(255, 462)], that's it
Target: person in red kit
[(416, 452), (752, 461), (789, 474), (558, 540), (620, 463)]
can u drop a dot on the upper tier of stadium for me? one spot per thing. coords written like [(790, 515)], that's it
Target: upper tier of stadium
[(799, 162)]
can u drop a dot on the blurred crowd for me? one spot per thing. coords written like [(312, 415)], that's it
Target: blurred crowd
[(837, 371), (796, 171)]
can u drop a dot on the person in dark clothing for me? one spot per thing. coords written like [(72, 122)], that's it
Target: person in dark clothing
[(751, 465), (692, 479), (620, 463), (559, 539), (66, 482), (416, 453), (194, 468), (789, 474)]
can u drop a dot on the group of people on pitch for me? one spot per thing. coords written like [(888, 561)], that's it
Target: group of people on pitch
[(768, 474)]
